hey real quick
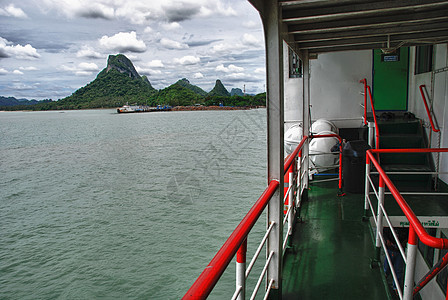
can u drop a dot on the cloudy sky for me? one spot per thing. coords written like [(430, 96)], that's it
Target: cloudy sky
[(50, 48)]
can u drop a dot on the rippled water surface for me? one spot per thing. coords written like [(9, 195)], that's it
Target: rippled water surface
[(99, 205)]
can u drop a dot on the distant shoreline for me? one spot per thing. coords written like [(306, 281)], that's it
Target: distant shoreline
[(213, 107), (176, 108)]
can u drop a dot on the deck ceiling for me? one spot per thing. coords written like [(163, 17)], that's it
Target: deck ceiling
[(340, 25)]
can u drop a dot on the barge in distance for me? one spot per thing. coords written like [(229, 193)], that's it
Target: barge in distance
[(142, 108)]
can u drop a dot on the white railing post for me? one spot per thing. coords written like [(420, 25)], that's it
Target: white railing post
[(379, 219), (299, 180), (371, 134), (241, 270), (411, 255), (291, 203), (367, 191)]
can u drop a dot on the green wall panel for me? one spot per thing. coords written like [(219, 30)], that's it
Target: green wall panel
[(390, 80)]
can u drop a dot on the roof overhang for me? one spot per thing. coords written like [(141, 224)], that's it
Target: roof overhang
[(321, 26)]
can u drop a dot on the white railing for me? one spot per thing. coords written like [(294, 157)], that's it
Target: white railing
[(379, 215)]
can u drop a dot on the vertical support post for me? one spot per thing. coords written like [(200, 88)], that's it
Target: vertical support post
[(379, 219), (306, 112), (365, 101), (299, 180), (241, 270), (367, 191), (371, 134), (291, 202), (411, 255), (446, 291), (271, 15)]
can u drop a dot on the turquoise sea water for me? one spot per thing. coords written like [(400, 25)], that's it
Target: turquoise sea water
[(97, 205)]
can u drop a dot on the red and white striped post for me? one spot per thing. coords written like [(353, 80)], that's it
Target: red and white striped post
[(411, 255), (241, 270)]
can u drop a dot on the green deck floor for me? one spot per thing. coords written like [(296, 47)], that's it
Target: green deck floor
[(331, 250)]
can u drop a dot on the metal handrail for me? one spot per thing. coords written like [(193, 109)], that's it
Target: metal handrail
[(427, 108), (206, 281), (410, 215), (416, 229), (368, 91), (293, 155), (204, 284)]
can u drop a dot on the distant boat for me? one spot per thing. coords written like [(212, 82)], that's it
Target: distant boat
[(142, 108)]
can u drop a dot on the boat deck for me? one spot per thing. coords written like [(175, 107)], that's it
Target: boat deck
[(331, 250)]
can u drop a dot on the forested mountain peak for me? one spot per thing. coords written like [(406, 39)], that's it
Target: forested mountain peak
[(122, 64), (219, 90), (186, 84)]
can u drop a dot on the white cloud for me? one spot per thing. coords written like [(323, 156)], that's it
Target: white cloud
[(217, 8), (230, 69), (94, 10), (3, 71), (171, 26), (147, 71), (133, 57), (88, 66), (222, 48), (260, 71), (28, 68), (187, 60), (82, 8), (156, 63), (12, 11), (136, 12), (17, 72), (198, 75), (88, 52), (142, 11), (251, 24), (250, 40), (170, 44), (245, 41), (17, 51), (236, 76), (82, 69), (123, 42), (148, 29)]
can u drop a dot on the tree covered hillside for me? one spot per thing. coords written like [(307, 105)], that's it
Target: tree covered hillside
[(119, 83)]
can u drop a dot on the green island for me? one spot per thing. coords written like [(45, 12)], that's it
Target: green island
[(119, 84)]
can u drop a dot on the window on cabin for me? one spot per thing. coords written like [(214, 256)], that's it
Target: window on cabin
[(423, 59), (295, 65)]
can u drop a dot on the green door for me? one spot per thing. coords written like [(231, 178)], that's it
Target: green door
[(390, 79)]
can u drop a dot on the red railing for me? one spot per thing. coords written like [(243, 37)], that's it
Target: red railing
[(416, 229), (206, 281), (413, 220), (204, 284), (427, 109), (294, 154), (368, 91)]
